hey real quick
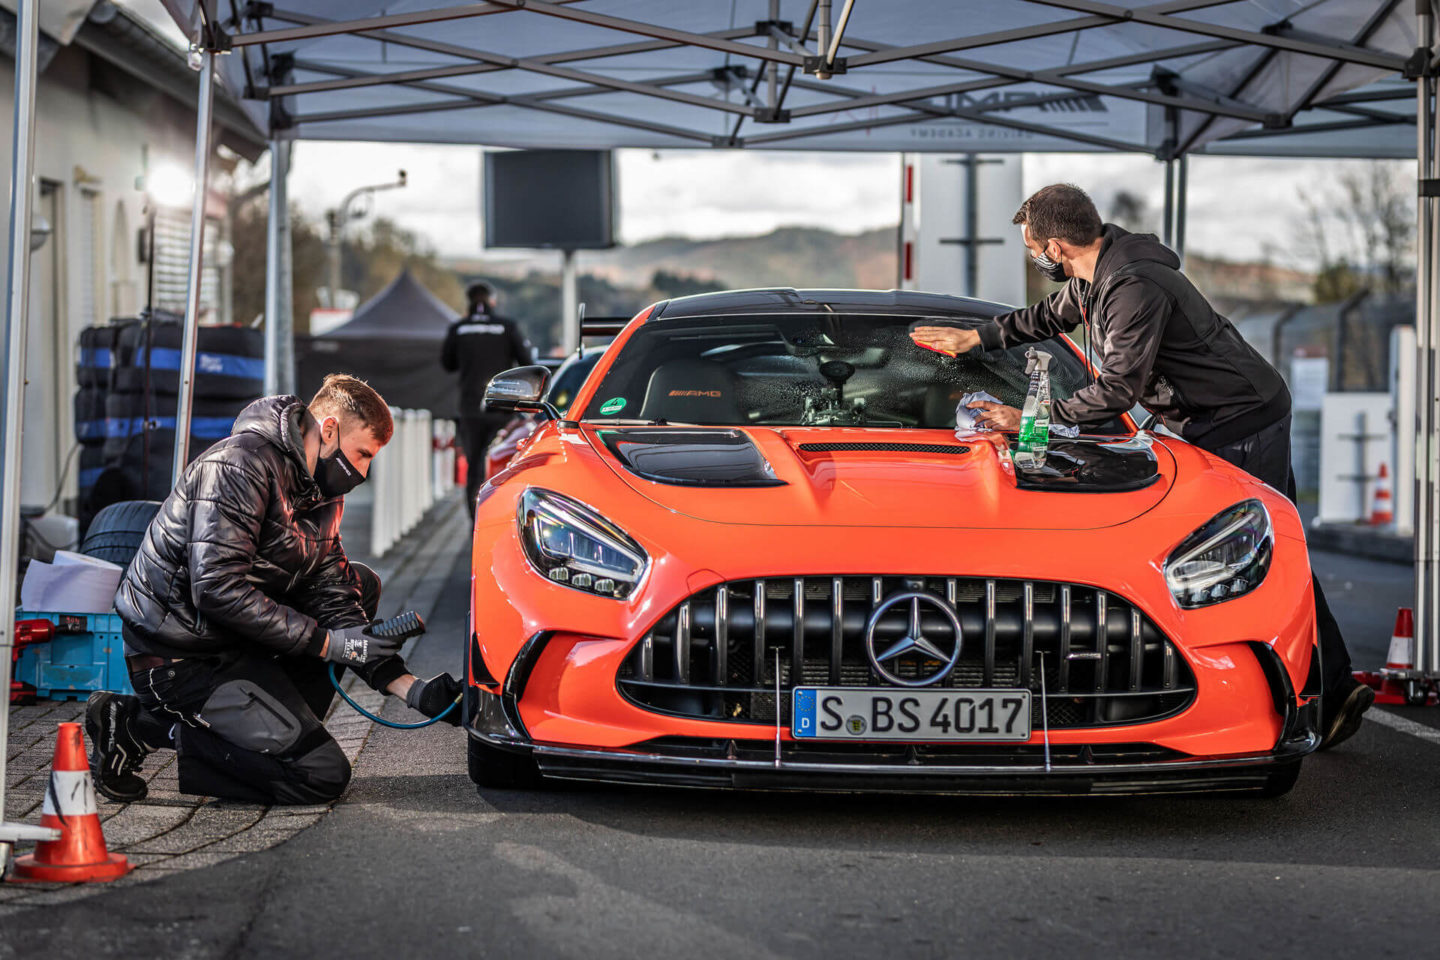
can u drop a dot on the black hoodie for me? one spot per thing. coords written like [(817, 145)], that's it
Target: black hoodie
[(1158, 342), (244, 555)]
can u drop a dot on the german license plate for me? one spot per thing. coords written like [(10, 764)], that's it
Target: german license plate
[(851, 713)]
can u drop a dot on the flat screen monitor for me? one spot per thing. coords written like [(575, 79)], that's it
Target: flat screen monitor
[(560, 199)]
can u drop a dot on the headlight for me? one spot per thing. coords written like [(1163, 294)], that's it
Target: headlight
[(569, 543), (1226, 558)]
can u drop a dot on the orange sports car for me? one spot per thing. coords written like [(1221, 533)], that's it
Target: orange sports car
[(754, 553)]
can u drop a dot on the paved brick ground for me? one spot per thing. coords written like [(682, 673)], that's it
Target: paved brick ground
[(168, 831)]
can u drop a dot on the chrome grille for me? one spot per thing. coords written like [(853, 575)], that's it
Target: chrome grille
[(715, 655)]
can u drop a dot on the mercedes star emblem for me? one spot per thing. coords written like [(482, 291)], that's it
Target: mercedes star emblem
[(914, 645)]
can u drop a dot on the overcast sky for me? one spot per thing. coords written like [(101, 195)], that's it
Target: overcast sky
[(1238, 206)]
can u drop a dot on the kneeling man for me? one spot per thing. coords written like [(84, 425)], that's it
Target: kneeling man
[(237, 602)]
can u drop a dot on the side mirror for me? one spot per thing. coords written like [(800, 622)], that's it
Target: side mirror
[(522, 388)]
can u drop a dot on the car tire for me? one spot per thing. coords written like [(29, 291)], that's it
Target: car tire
[(1281, 781), (118, 530), (500, 769)]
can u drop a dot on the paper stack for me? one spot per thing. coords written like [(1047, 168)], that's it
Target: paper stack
[(74, 583)]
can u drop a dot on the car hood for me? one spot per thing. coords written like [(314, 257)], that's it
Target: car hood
[(804, 476)]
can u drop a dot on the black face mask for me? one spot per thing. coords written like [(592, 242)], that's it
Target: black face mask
[(1049, 269), (336, 475)]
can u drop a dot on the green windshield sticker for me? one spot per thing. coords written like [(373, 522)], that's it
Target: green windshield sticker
[(613, 405)]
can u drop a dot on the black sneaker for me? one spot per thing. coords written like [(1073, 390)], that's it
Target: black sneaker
[(115, 751), (1343, 711)]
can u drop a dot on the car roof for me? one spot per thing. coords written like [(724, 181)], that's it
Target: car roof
[(770, 300)]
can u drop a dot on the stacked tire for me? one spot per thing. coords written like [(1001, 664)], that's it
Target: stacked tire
[(138, 442), (94, 361)]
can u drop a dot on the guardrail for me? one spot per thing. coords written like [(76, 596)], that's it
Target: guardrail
[(416, 468)]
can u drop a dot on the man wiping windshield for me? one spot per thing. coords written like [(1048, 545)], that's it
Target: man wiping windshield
[(1159, 343)]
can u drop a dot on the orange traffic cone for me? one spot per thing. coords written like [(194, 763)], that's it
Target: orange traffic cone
[(1402, 641), (79, 855), (1382, 512)]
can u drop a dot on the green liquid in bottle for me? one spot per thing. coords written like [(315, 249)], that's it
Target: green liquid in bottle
[(1035, 416)]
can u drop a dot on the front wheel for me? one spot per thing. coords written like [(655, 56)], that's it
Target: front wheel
[(500, 769)]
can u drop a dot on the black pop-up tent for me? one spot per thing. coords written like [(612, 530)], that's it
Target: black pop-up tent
[(393, 341)]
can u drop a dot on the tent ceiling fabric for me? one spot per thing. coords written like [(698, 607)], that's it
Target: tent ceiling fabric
[(1305, 77)]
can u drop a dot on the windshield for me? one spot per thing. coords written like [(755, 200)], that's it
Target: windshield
[(570, 378), (827, 370)]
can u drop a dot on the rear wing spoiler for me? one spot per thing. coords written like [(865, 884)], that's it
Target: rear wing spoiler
[(602, 326)]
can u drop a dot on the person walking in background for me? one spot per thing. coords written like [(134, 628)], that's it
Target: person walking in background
[(478, 346)]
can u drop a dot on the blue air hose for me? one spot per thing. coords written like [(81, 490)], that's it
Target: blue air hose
[(403, 626), (335, 682)]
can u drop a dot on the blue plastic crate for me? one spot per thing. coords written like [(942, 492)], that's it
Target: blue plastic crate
[(74, 665)]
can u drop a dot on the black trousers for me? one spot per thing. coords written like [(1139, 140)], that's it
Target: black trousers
[(475, 436), (1266, 456), (249, 726)]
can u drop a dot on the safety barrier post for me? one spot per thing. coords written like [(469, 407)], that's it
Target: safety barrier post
[(410, 495), (451, 435), (377, 485), (443, 460), (437, 457), (425, 457)]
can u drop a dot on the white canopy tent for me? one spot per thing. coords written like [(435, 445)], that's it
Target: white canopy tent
[(1163, 77)]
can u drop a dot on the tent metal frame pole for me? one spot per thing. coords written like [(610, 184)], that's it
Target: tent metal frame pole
[(569, 302), (1050, 28), (1051, 77), (279, 279), (17, 321), (1182, 191), (1167, 232), (184, 400), (1425, 467), (312, 31), (655, 31), (1330, 50), (938, 113)]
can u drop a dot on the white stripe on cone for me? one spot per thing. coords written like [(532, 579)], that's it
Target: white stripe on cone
[(73, 791), (1402, 653)]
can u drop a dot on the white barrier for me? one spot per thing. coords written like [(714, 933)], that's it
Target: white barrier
[(414, 470), (442, 470)]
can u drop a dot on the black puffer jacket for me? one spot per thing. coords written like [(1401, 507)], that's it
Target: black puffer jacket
[(245, 552), (1159, 343)]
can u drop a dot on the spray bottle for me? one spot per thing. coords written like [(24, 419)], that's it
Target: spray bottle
[(1035, 416)]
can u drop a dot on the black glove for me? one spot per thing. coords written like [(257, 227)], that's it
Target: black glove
[(357, 646), (431, 697)]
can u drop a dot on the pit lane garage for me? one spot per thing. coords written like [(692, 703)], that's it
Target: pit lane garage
[(754, 553)]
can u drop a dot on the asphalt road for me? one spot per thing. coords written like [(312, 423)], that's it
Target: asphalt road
[(415, 863), (1364, 595)]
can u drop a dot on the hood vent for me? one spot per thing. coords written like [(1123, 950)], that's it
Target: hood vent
[(691, 458)]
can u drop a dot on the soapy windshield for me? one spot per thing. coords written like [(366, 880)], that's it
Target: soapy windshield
[(812, 370)]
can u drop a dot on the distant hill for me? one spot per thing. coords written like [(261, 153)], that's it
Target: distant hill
[(621, 281), (789, 256)]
